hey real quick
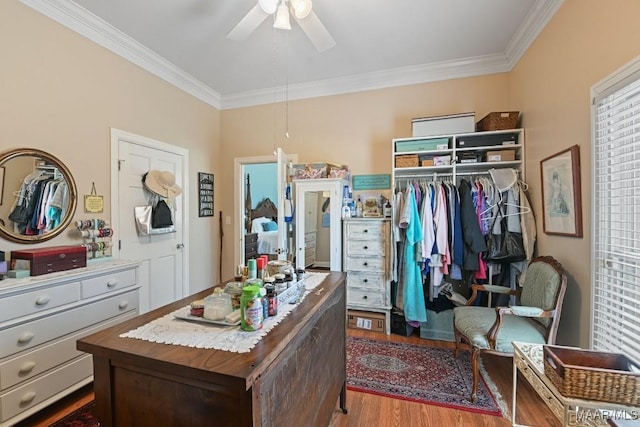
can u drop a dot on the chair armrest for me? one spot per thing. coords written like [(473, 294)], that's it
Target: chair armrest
[(521, 310), (489, 288)]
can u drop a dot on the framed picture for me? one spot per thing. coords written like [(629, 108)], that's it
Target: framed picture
[(205, 194), (1, 183), (561, 198)]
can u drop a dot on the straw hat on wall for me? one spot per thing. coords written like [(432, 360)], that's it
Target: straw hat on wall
[(162, 183)]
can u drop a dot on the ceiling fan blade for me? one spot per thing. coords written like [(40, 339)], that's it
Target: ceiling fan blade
[(316, 31), (248, 24)]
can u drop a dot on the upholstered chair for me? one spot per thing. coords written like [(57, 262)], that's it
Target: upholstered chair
[(534, 320)]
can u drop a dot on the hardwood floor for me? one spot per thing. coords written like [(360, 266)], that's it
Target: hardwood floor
[(371, 410)]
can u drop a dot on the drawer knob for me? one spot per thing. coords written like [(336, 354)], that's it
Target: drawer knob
[(365, 231), (365, 264), (28, 397), (364, 297), (27, 367), (123, 305), (365, 280), (43, 300), (112, 283), (25, 338), (366, 247)]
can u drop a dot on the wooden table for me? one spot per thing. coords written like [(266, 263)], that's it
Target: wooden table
[(294, 374)]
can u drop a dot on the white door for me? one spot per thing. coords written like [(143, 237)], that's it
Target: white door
[(283, 160), (162, 273)]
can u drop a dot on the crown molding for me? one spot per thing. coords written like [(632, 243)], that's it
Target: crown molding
[(71, 15), (87, 24)]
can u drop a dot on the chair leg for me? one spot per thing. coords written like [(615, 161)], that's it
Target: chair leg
[(474, 367), (456, 337)]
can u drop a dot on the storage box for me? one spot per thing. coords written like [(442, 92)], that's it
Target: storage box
[(483, 140), (49, 260), (500, 120), (439, 326), (422, 145), (441, 160), (593, 375), (314, 170), (399, 325), (366, 320), (444, 125), (501, 156), (339, 172), (407, 161)]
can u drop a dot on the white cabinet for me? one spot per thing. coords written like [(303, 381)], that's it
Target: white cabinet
[(458, 155), (366, 261), (42, 317)]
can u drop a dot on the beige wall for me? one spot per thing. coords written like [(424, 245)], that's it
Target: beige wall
[(61, 93), (585, 41)]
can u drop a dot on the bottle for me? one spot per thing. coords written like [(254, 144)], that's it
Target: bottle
[(252, 266), (359, 208), (281, 286), (387, 209), (251, 308), (265, 303), (272, 300)]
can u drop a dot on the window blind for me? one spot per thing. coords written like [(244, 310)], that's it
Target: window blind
[(615, 322)]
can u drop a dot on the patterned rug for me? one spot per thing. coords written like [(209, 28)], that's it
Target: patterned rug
[(82, 417), (419, 373)]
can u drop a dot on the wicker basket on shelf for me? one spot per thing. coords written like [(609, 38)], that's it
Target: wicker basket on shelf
[(407, 161), (500, 120), (593, 375)]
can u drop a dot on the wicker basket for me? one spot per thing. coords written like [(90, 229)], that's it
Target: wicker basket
[(407, 161), (593, 375), (500, 120)]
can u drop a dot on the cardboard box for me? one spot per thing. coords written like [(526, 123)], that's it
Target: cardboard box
[(441, 160), (501, 156), (366, 320), (444, 125)]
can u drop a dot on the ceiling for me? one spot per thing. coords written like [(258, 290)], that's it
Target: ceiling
[(379, 43)]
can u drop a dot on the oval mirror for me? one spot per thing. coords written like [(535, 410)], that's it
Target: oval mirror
[(37, 196)]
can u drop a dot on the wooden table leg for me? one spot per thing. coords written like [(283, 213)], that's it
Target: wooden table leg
[(343, 398)]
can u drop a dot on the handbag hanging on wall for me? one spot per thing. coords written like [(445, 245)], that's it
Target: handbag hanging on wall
[(154, 218), (506, 247)]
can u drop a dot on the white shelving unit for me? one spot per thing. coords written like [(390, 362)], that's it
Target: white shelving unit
[(458, 147)]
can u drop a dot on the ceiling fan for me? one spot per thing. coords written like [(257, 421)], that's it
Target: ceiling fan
[(281, 10)]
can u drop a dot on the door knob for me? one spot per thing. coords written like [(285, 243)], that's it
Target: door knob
[(180, 245)]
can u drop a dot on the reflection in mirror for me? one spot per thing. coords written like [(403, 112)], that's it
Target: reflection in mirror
[(39, 196)]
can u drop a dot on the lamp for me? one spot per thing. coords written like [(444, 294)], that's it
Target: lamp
[(268, 6), (282, 17), (301, 8)]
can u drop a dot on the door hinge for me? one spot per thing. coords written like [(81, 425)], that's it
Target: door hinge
[(119, 245), (120, 162)]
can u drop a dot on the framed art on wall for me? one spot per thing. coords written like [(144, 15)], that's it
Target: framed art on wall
[(561, 197)]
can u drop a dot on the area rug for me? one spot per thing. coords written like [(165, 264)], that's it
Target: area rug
[(82, 417), (419, 373)]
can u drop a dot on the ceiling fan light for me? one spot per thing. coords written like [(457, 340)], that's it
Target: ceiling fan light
[(301, 8), (282, 18), (268, 6)]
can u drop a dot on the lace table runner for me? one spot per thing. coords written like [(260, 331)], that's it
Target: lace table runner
[(169, 330)]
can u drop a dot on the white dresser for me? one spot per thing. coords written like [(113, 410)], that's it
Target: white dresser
[(41, 318), (366, 262)]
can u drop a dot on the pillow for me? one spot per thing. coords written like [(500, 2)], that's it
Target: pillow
[(270, 226), (256, 224)]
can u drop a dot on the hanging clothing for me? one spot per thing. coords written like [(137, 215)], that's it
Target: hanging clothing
[(413, 293), (474, 242)]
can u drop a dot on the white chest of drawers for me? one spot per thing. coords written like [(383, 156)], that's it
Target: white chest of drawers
[(40, 320), (366, 261)]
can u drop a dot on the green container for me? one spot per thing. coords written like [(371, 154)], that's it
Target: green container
[(251, 314), (428, 144)]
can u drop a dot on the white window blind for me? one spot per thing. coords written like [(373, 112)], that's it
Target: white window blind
[(616, 221)]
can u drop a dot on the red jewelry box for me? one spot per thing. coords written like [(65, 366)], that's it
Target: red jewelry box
[(49, 260)]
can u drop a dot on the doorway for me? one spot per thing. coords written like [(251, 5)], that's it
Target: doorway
[(162, 256)]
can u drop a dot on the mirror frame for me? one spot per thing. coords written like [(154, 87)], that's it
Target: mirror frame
[(24, 152)]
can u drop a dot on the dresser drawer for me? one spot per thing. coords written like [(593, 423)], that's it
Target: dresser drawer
[(363, 297), (365, 264), (374, 230), (108, 283), (250, 238), (35, 301), (30, 364), (365, 247), (32, 393), (310, 238), (29, 335), (371, 281)]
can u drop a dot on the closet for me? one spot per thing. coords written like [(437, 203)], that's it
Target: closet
[(447, 173)]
